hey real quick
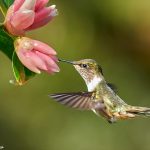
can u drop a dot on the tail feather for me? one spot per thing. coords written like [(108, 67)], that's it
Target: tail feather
[(138, 111)]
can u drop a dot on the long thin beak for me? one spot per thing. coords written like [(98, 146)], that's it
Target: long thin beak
[(70, 62)]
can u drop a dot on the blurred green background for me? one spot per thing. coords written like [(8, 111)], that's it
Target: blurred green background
[(117, 35)]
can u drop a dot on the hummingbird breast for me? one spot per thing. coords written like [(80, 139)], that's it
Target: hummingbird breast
[(92, 84)]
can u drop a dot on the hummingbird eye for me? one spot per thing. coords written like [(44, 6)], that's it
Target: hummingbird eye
[(84, 65)]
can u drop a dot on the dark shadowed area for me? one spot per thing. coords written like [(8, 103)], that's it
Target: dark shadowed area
[(117, 35)]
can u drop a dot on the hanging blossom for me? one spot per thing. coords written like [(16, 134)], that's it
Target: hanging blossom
[(36, 56), (25, 15)]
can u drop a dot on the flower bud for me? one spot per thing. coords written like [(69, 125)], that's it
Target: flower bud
[(36, 56), (25, 15)]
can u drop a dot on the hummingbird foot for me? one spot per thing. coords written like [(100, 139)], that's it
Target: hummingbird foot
[(112, 120)]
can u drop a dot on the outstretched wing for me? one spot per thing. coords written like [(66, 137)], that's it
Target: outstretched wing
[(80, 100)]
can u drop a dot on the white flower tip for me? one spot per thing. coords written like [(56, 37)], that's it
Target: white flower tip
[(56, 70), (38, 72), (53, 6), (54, 13)]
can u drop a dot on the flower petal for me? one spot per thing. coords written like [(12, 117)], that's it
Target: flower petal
[(37, 61), (54, 58), (22, 19), (43, 21), (51, 65), (40, 4), (17, 4), (40, 24), (27, 61), (28, 4), (44, 48), (43, 13)]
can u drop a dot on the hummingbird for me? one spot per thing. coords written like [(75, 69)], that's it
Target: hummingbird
[(101, 97)]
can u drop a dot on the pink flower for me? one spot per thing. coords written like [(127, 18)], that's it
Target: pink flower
[(25, 15), (36, 56)]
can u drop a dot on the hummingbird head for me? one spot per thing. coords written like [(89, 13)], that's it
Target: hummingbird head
[(90, 71)]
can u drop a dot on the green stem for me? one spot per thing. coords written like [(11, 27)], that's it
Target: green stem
[(3, 8)]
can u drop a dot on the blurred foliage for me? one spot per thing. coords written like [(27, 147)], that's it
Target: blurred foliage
[(117, 35)]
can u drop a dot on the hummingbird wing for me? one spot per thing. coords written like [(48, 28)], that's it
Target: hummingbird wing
[(80, 100)]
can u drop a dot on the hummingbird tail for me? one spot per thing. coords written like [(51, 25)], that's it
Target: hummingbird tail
[(138, 111)]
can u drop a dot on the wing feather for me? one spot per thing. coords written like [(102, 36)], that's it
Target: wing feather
[(79, 100)]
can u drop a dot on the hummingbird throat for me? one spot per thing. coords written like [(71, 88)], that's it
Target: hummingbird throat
[(93, 83)]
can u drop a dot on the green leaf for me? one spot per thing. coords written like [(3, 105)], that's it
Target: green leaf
[(7, 3), (21, 73), (4, 5), (6, 43)]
